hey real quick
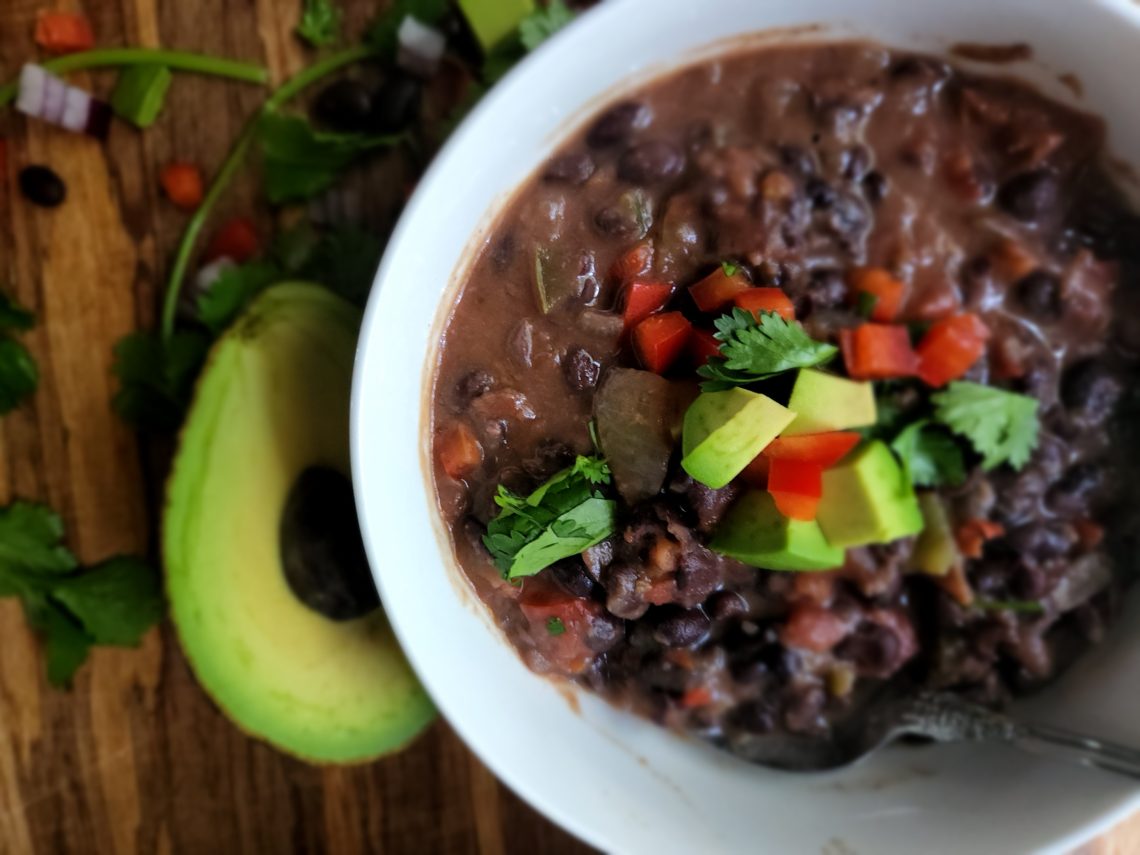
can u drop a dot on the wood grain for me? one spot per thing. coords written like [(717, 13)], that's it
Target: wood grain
[(135, 759)]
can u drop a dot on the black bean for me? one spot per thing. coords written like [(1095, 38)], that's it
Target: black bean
[(827, 288), (617, 221), (41, 186), (875, 186), (396, 104), (622, 596), (664, 676), (1029, 583), (677, 627), (848, 217), (581, 370), (726, 604), (345, 105), (1071, 494), (780, 661), (921, 67), (1040, 541), (1039, 295), (651, 162), (821, 194), (571, 576), (618, 124), (504, 251), (473, 384), (574, 168), (798, 160), (803, 708), (756, 717), (854, 162), (1019, 496), (1030, 195), (605, 632), (873, 649), (550, 456), (1091, 390)]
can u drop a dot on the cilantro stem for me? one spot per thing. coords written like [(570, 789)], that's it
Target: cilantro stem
[(178, 60), (287, 91)]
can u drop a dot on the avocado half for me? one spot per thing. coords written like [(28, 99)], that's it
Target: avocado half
[(249, 597)]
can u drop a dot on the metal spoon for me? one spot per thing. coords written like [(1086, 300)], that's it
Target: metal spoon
[(941, 718)]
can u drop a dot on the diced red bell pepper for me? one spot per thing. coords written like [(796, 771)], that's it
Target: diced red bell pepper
[(459, 452), (642, 299), (796, 487), (757, 300), (236, 240), (823, 449), (701, 696), (542, 602), (878, 352), (880, 284), (717, 290), (660, 339), (755, 474), (182, 183), (63, 32), (811, 627), (703, 346), (950, 348), (1090, 534), (632, 263)]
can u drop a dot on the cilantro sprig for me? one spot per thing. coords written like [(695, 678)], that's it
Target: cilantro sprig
[(1002, 426), (19, 376), (929, 455), (320, 23), (753, 350), (563, 517)]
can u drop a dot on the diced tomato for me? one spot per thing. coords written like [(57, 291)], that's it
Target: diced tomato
[(542, 602), (701, 696), (796, 487), (824, 449), (877, 282), (63, 32), (755, 474), (972, 535), (1091, 534), (459, 452), (878, 352), (642, 299), (237, 240), (717, 290), (950, 348), (703, 346), (182, 183), (811, 627), (660, 339), (757, 300), (632, 263)]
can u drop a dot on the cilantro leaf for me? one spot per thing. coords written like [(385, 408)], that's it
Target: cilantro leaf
[(320, 23), (929, 456), (116, 602), (382, 34), (66, 645), (30, 540), (298, 161), (729, 269), (232, 291), (344, 261), (19, 376), (541, 24), (13, 316), (156, 379), (555, 626), (1002, 426), (754, 350), (563, 517)]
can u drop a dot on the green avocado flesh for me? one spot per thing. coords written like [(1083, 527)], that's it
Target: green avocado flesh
[(756, 533), (868, 499), (493, 21), (724, 431), (824, 402), (273, 403)]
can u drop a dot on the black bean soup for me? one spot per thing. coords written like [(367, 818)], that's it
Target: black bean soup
[(800, 169)]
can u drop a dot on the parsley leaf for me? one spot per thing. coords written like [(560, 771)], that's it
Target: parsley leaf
[(30, 540), (1002, 426), (382, 35), (298, 161), (929, 456), (754, 350), (66, 645), (320, 23), (541, 24), (156, 379), (19, 376), (555, 626), (563, 517), (116, 602)]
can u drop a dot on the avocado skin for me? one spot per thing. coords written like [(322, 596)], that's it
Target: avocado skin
[(272, 403)]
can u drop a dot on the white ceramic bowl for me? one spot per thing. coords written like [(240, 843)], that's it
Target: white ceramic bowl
[(619, 782)]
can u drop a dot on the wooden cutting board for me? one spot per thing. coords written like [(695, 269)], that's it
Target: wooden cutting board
[(135, 759)]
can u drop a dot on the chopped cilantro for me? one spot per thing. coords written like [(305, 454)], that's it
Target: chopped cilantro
[(1025, 607), (232, 291), (156, 378), (929, 455), (541, 24), (555, 626), (563, 517), (320, 23), (754, 350), (19, 376), (729, 268), (1001, 426)]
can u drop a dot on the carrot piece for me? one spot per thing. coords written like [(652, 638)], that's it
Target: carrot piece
[(718, 289), (950, 348), (63, 32), (825, 449), (878, 283), (182, 183), (632, 263), (757, 300), (878, 352), (703, 346), (236, 240), (660, 339), (459, 452), (971, 536), (642, 299), (701, 696)]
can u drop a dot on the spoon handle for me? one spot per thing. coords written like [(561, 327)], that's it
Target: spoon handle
[(1067, 745)]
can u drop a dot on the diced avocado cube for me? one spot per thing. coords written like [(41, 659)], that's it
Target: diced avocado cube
[(936, 551), (724, 431), (868, 499), (759, 535), (824, 402), (492, 21)]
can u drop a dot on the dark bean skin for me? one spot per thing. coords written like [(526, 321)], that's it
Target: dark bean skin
[(605, 632), (676, 627), (572, 578), (550, 456), (1029, 583), (652, 162), (616, 221), (1029, 196), (875, 187), (345, 105), (798, 160), (848, 216), (1070, 495), (574, 168), (1040, 542), (618, 124), (855, 162), (1039, 295), (581, 370), (473, 385), (725, 605), (396, 104), (872, 648), (755, 717), (821, 194), (622, 598), (1091, 391), (42, 186)]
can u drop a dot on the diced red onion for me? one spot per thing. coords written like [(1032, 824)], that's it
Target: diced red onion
[(42, 95), (420, 47), (210, 274)]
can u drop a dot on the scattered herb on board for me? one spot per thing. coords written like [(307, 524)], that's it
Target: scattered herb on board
[(320, 23), (753, 350), (19, 376)]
